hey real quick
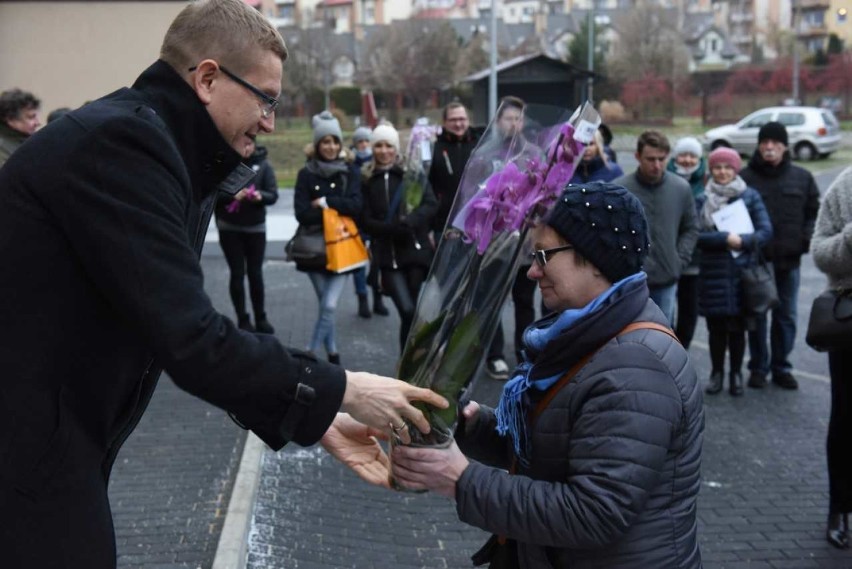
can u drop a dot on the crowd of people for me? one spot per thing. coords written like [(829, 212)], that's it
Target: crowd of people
[(594, 447)]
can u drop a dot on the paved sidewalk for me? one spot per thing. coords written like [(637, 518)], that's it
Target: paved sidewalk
[(762, 505), (763, 501)]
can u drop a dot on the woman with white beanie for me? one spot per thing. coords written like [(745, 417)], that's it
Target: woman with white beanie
[(328, 179), (398, 218), (688, 162)]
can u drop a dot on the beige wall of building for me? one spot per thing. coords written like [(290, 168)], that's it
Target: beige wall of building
[(837, 24), (67, 53)]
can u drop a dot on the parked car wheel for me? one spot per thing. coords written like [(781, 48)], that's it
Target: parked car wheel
[(806, 151), (719, 144)]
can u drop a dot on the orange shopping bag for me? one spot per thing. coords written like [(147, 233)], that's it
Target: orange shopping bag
[(343, 246)]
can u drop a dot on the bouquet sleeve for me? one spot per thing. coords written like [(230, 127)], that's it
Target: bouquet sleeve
[(510, 181)]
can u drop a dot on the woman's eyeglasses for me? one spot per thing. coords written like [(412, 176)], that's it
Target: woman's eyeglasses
[(542, 256)]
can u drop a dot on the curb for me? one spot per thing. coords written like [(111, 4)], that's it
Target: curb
[(233, 542)]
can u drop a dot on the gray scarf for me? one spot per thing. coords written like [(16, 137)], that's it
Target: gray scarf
[(718, 196), (325, 169)]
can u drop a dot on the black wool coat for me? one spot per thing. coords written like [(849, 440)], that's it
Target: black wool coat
[(403, 240), (791, 196), (102, 219), (341, 190), (449, 158), (251, 212)]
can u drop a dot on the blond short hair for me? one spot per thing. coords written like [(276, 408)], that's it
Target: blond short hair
[(229, 31)]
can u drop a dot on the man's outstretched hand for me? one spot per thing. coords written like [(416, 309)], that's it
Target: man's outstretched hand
[(385, 404), (357, 446)]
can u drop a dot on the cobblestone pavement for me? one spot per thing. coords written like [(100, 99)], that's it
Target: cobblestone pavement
[(763, 500)]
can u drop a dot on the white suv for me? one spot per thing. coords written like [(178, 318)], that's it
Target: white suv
[(813, 132)]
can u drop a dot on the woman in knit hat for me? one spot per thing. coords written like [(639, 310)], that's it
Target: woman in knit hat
[(605, 466), (688, 162), (398, 222), (595, 165), (241, 221), (723, 254), (328, 179), (363, 155)]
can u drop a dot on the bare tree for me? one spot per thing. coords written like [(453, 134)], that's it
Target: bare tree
[(473, 56), (310, 65), (648, 44), (413, 57)]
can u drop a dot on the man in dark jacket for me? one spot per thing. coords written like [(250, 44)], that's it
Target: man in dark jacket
[(604, 467), (18, 120), (791, 197), (449, 157), (102, 219)]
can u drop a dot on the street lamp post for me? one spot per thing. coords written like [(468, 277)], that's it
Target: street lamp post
[(590, 22), (492, 77), (795, 79)]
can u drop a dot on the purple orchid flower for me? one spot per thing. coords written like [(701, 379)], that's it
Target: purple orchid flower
[(512, 194)]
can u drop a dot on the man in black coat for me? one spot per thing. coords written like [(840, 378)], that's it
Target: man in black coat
[(792, 200), (102, 219), (452, 150)]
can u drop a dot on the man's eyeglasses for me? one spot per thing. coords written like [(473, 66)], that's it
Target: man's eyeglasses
[(542, 256), (269, 103)]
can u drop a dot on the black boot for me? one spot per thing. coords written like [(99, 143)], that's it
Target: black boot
[(262, 324), (363, 306), (244, 323), (334, 359), (378, 305), (715, 385), (736, 379)]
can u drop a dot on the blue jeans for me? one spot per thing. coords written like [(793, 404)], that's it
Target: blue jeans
[(328, 288), (782, 334), (359, 277), (665, 296)]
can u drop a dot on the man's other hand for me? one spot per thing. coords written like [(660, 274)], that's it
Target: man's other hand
[(357, 446)]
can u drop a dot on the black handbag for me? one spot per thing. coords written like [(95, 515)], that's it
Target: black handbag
[(759, 292), (307, 247), (830, 324)]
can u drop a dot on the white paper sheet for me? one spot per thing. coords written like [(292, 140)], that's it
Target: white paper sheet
[(734, 218)]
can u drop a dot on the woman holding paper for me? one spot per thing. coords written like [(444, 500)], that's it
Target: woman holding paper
[(733, 224)]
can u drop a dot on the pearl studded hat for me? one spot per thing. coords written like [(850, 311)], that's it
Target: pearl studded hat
[(606, 224)]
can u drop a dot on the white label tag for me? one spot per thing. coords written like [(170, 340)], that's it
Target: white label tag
[(585, 132), (425, 151)]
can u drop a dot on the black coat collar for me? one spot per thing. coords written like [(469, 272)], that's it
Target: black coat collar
[(210, 160)]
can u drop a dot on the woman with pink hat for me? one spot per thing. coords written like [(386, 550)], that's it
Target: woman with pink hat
[(722, 256)]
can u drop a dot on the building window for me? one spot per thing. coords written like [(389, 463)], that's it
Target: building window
[(285, 11), (713, 44)]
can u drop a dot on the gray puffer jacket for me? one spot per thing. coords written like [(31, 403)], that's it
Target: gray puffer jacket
[(614, 469)]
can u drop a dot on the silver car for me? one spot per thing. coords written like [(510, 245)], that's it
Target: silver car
[(813, 132)]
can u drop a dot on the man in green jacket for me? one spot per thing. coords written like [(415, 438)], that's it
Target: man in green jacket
[(670, 210)]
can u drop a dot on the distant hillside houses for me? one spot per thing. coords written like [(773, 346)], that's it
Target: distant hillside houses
[(718, 34)]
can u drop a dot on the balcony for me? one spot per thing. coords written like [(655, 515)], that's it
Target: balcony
[(811, 30), (811, 4)]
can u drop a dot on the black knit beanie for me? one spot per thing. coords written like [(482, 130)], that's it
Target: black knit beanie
[(606, 224), (773, 131)]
